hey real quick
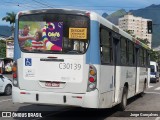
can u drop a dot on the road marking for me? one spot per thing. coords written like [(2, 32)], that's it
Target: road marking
[(51, 114), (5, 100), (157, 118), (151, 86), (158, 88), (152, 93)]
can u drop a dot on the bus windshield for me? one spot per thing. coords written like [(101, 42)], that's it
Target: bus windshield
[(152, 69), (54, 33)]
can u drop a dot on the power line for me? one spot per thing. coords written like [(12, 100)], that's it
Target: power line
[(46, 5), (33, 4), (38, 4), (19, 4), (87, 6), (42, 3)]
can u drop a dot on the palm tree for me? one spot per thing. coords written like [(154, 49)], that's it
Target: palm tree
[(10, 18)]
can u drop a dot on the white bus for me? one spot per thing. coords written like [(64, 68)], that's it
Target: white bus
[(80, 59)]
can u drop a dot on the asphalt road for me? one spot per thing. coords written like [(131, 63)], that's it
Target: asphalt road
[(136, 106)]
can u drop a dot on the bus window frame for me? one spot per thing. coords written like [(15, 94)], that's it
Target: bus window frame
[(108, 47), (57, 52)]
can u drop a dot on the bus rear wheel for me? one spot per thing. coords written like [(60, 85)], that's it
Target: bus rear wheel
[(123, 103)]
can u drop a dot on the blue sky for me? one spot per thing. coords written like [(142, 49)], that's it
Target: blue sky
[(99, 6)]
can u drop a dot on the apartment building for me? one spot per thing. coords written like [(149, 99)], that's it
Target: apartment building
[(137, 26)]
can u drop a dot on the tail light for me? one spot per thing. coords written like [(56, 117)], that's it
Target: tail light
[(14, 71), (92, 78)]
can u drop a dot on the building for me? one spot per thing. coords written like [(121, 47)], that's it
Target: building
[(9, 48), (7, 61), (137, 26)]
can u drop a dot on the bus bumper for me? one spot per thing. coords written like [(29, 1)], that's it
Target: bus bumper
[(87, 100)]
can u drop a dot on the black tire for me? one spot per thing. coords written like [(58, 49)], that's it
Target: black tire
[(144, 88), (155, 81), (123, 104), (8, 90)]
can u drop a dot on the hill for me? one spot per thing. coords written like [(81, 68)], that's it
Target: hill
[(114, 16), (5, 31), (104, 15)]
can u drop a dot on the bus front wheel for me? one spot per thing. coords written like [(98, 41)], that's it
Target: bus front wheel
[(144, 88)]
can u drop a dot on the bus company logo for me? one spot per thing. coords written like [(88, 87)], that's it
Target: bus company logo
[(28, 62), (6, 114), (19, 114)]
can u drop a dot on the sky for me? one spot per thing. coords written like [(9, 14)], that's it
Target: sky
[(99, 6)]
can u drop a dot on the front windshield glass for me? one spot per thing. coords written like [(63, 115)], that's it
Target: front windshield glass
[(54, 33), (152, 69)]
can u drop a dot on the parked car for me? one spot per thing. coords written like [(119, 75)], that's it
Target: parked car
[(154, 73), (5, 85)]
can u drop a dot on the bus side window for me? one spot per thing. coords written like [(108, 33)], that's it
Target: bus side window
[(157, 68), (123, 51), (131, 53), (141, 57), (152, 69), (105, 47)]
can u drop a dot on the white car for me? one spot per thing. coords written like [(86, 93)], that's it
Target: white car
[(5, 85)]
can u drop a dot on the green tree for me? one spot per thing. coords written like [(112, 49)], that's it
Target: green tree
[(130, 32), (11, 19), (154, 55), (2, 49), (144, 41)]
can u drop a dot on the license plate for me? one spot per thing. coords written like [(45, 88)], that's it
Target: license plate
[(52, 84)]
